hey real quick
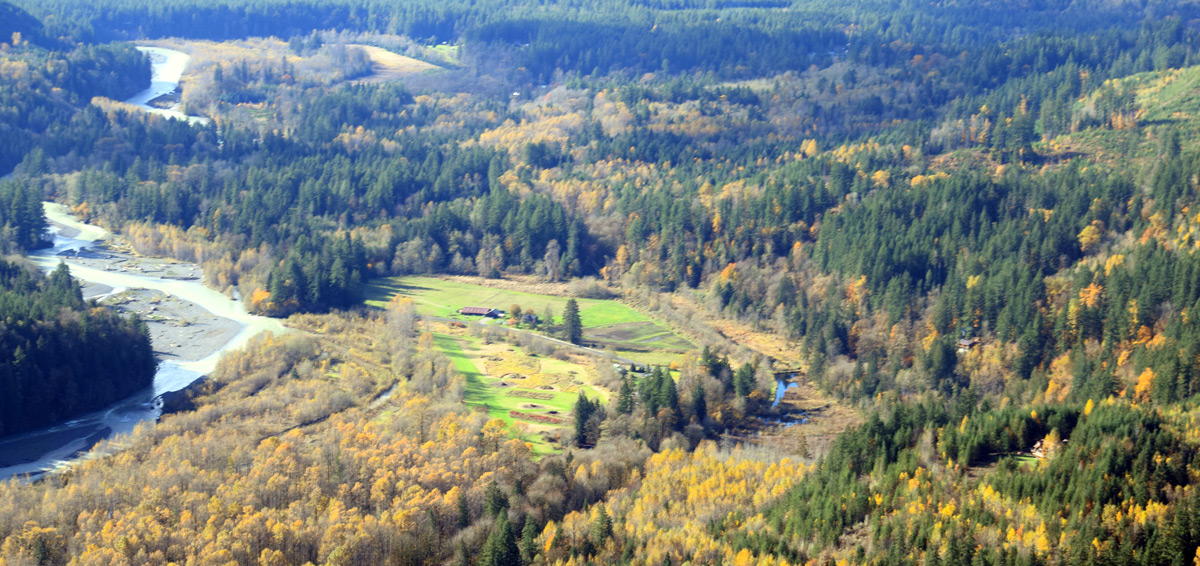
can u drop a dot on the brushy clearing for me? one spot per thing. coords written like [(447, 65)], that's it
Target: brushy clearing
[(503, 380)]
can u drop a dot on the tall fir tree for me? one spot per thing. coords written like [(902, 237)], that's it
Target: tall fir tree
[(584, 409), (743, 380), (572, 324), (625, 397), (699, 406), (500, 549), (602, 527), (529, 536), (495, 502)]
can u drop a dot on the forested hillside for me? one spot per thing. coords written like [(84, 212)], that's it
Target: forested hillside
[(970, 225), (47, 82)]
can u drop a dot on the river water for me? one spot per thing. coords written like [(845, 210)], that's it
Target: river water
[(166, 67), (41, 450), (781, 388)]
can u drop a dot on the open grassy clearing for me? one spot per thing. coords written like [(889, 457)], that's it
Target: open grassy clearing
[(1164, 100), (449, 52), (1026, 460), (439, 297), (391, 66), (1169, 96), (504, 380), (609, 324), (636, 335)]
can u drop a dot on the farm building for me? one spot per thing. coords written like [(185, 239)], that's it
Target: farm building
[(480, 311)]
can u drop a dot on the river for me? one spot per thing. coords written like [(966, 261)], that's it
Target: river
[(41, 450), (166, 66), (38, 451)]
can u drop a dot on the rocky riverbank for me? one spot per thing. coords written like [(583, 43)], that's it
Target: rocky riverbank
[(179, 329)]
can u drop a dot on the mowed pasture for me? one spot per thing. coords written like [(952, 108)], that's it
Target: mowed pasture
[(606, 323)]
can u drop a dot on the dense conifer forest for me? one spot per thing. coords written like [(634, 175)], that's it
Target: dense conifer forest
[(970, 226), (62, 356)]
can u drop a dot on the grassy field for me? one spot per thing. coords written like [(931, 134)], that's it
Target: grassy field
[(1026, 461), (609, 323), (392, 66), (449, 52), (502, 379), (1169, 96), (437, 297)]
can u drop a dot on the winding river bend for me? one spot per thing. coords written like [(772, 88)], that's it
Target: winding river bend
[(166, 66), (39, 451)]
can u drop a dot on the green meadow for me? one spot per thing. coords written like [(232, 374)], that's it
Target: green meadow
[(610, 324)]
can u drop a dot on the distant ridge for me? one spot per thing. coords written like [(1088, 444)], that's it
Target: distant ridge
[(14, 20)]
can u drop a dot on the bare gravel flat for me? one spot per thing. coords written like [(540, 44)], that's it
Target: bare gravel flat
[(179, 330)]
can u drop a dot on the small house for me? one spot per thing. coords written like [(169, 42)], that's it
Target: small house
[(530, 319), (967, 344)]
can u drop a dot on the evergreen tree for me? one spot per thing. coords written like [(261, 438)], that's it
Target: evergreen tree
[(572, 325), (529, 536), (602, 527), (648, 390), (699, 406), (625, 397), (495, 502), (500, 549), (464, 512), (668, 399), (743, 380), (463, 556), (583, 411), (668, 395)]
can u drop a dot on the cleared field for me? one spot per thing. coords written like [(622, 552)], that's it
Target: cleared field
[(518, 388), (1026, 460), (607, 324), (635, 335), (437, 297), (392, 66), (1166, 99), (449, 52)]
